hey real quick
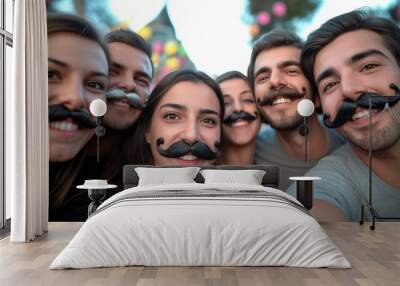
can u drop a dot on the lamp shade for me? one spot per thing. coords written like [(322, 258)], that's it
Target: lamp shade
[(98, 107), (305, 107)]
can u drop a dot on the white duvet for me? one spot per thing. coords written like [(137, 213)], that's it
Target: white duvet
[(223, 225)]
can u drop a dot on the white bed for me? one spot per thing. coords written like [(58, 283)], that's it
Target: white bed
[(201, 224)]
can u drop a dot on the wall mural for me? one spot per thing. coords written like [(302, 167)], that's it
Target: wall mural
[(129, 88)]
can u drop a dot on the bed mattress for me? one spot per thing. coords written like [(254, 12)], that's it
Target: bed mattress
[(201, 225)]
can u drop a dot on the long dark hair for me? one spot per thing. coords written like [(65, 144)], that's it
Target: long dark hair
[(231, 75), (140, 148)]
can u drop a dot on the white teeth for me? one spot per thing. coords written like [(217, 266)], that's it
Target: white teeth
[(120, 103), (188, 157), (240, 122), (361, 114), (280, 100), (65, 126)]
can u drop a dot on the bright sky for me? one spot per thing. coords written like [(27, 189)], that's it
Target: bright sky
[(331, 8), (211, 31)]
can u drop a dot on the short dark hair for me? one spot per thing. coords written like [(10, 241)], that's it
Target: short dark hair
[(333, 28), (270, 40), (141, 151), (63, 22), (231, 75), (131, 39)]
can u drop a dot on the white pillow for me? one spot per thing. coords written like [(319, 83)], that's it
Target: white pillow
[(162, 176), (249, 177)]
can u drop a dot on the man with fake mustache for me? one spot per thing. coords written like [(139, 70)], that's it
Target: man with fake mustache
[(279, 84), (241, 123), (130, 76), (353, 60), (131, 72)]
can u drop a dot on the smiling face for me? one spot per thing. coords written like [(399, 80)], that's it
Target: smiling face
[(190, 112), (276, 69), (237, 98), (77, 74), (130, 71), (353, 63)]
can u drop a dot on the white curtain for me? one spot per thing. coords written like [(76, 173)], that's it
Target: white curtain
[(27, 161)]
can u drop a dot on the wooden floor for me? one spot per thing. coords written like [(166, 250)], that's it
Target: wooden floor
[(374, 255)]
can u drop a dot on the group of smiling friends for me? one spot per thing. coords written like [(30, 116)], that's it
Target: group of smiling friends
[(347, 66)]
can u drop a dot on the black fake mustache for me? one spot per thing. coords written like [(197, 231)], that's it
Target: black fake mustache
[(132, 97), (285, 92), (59, 112), (181, 148), (235, 116), (348, 106)]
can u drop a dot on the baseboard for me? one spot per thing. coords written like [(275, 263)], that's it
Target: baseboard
[(5, 231)]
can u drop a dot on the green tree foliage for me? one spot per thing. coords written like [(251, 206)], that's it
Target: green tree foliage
[(394, 11), (293, 11), (168, 53), (97, 12)]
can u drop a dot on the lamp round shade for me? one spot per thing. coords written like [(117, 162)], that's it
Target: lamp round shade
[(305, 107), (98, 107)]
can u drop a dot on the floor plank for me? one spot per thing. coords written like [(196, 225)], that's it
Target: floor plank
[(374, 255)]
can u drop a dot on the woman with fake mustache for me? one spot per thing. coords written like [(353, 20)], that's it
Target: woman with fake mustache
[(241, 123), (78, 63), (181, 123)]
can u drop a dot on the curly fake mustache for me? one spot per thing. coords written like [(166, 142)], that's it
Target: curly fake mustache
[(181, 148), (243, 115), (132, 97), (59, 112), (348, 107), (283, 92)]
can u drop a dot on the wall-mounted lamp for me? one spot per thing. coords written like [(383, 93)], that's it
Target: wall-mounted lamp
[(98, 108), (304, 185), (305, 108)]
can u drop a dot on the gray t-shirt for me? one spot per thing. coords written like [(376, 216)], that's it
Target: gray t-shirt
[(345, 183), (269, 151)]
